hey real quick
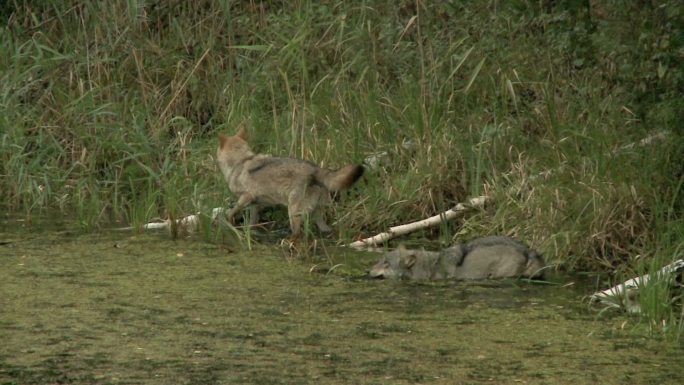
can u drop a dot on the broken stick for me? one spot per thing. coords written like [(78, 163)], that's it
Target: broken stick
[(188, 223), (422, 224), (625, 294)]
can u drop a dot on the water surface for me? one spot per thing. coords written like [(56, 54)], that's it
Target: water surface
[(116, 307)]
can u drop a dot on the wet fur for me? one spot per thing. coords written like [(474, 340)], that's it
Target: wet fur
[(482, 258)]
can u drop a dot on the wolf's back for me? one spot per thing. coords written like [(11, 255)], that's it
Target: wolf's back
[(534, 261), (336, 180)]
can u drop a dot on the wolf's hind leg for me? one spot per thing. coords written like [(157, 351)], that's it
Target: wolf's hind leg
[(297, 206)]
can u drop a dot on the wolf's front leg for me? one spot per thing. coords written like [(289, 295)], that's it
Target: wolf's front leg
[(296, 223), (242, 202)]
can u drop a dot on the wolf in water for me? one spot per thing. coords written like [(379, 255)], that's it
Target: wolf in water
[(481, 258)]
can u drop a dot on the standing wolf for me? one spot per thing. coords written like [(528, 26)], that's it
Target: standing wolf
[(263, 180), (481, 258)]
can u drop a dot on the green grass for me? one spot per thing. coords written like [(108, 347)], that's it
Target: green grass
[(110, 112)]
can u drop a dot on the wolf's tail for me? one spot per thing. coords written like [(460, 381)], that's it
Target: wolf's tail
[(336, 180)]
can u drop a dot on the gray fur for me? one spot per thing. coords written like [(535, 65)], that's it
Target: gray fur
[(262, 180), (481, 258)]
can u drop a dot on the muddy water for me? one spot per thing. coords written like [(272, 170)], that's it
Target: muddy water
[(121, 308)]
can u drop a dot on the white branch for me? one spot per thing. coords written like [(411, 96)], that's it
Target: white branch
[(619, 295), (645, 141), (188, 223), (423, 224)]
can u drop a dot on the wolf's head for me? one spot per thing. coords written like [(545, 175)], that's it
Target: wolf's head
[(232, 149), (395, 264)]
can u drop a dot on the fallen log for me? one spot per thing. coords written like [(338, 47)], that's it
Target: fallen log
[(422, 224), (625, 294)]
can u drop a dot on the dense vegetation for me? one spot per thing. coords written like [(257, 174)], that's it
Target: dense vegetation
[(110, 112)]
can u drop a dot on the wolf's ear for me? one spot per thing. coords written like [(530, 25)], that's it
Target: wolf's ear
[(222, 139), (242, 132)]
